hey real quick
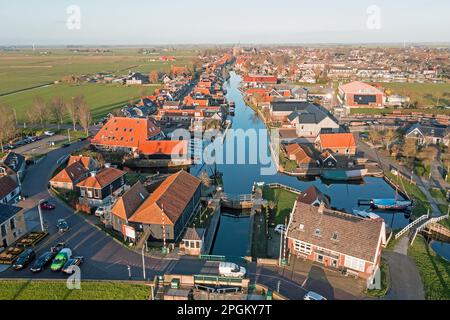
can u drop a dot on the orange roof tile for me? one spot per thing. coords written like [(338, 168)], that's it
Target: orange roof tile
[(102, 178), (164, 147), (167, 203), (125, 132), (337, 140), (73, 172)]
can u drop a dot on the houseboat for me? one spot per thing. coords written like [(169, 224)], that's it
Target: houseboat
[(344, 175), (390, 204)]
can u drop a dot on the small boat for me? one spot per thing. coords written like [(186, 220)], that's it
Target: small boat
[(344, 175), (390, 204), (366, 214), (232, 107)]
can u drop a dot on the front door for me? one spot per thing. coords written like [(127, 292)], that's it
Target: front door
[(320, 258), (334, 263)]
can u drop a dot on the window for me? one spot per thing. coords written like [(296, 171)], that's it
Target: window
[(334, 236), (302, 247), (82, 192), (354, 263), (89, 193), (317, 232), (301, 227), (97, 193), (12, 223), (3, 230)]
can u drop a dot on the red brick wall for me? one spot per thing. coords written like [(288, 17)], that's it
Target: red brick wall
[(350, 101)]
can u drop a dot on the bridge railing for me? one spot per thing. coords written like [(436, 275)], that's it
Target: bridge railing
[(285, 187), (409, 226)]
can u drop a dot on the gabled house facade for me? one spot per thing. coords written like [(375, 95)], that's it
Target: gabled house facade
[(426, 135), (9, 189), (338, 240), (337, 143), (12, 224), (68, 177), (100, 188)]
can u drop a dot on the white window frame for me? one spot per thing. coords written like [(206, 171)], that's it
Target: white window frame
[(355, 263), (302, 247)]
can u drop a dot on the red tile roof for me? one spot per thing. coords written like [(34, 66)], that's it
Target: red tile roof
[(7, 185), (102, 178), (357, 87), (84, 160), (125, 132), (164, 147), (356, 237), (337, 140), (261, 79), (72, 173), (168, 201)]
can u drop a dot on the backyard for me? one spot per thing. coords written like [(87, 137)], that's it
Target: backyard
[(284, 202), (57, 290)]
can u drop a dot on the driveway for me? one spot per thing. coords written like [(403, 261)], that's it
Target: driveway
[(405, 279)]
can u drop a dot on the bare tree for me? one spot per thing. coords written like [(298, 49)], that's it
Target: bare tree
[(72, 111), (389, 137), (427, 156), (374, 136), (84, 116), (409, 150), (57, 110), (205, 179), (41, 111), (7, 125), (153, 77)]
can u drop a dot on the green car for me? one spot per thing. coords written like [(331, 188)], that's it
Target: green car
[(61, 259)]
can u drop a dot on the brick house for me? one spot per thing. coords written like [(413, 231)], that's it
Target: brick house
[(9, 189), (101, 187), (335, 239), (68, 177), (171, 206), (297, 152), (12, 224), (361, 95), (337, 143)]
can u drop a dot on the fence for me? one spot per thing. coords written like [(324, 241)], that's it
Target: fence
[(409, 226)]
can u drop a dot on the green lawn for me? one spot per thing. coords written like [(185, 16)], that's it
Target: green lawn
[(369, 111), (426, 94), (53, 290), (259, 237), (434, 271), (378, 293), (101, 98), (26, 69), (284, 201), (438, 194)]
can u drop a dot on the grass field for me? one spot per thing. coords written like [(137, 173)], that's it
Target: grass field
[(284, 201), (369, 111), (434, 271), (53, 290), (25, 69), (425, 94), (101, 98)]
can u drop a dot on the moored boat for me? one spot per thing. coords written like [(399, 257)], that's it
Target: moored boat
[(390, 204), (344, 175)]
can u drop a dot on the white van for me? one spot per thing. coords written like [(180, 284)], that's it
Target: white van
[(228, 269)]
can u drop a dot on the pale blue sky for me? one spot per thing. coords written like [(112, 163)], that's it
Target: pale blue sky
[(137, 22)]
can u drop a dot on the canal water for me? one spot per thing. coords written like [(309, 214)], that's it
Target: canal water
[(232, 235), (239, 179), (441, 248)]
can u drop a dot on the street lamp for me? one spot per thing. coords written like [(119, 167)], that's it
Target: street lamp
[(40, 214), (143, 262)]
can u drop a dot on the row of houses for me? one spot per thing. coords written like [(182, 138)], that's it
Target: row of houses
[(12, 221)]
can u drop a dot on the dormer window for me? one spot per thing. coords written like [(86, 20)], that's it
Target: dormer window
[(334, 237), (301, 227), (317, 232)]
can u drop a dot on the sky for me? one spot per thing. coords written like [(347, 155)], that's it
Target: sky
[(138, 22)]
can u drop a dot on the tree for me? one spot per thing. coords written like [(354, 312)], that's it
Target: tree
[(205, 179), (7, 125), (374, 136), (445, 157), (57, 109), (72, 111), (409, 150), (389, 136), (427, 156), (40, 110), (153, 77), (84, 115)]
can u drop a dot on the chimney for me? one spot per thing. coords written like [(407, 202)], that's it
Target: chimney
[(93, 174), (107, 165), (321, 207)]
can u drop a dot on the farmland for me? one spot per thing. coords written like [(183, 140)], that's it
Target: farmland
[(22, 70), (425, 94)]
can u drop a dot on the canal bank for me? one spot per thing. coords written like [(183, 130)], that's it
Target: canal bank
[(239, 179)]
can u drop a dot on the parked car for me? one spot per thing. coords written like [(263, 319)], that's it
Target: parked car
[(281, 228), (74, 261), (47, 206), (56, 249), (229, 269), (43, 261), (62, 225), (24, 259), (60, 260), (49, 133), (100, 212), (66, 145), (311, 295)]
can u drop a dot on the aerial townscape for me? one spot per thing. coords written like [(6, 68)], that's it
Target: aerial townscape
[(225, 172)]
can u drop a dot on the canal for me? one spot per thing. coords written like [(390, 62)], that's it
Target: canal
[(239, 179)]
